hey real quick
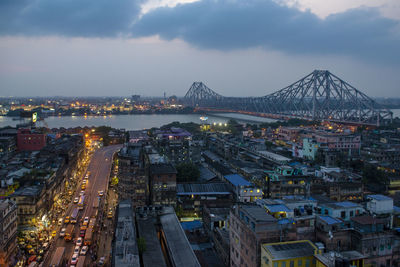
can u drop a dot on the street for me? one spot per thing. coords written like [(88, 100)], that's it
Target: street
[(99, 169)]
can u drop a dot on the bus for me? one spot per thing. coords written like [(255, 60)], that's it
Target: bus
[(57, 257), (69, 232), (81, 261), (88, 237), (74, 215), (81, 202), (96, 203)]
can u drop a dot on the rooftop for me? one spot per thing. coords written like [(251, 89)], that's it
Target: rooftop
[(178, 245), (329, 220), (30, 191), (257, 213), (379, 197), (162, 168), (203, 189), (277, 208), (288, 250), (237, 180)]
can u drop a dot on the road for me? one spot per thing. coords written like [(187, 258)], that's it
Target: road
[(99, 168)]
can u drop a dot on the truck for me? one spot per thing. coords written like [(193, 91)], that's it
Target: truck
[(69, 232), (88, 237), (56, 261)]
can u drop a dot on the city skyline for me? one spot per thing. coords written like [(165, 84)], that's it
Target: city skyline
[(152, 47)]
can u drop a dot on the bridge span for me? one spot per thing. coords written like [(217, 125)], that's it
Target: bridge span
[(318, 96)]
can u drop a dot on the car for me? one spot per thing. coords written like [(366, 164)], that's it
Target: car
[(54, 233), (31, 251), (28, 246), (81, 193), (62, 232), (82, 233), (74, 259), (60, 221), (84, 250), (101, 193), (45, 245), (76, 200), (77, 249), (79, 241), (70, 193), (67, 219), (101, 261), (83, 187), (86, 221)]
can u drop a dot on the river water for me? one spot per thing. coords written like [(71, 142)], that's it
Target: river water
[(132, 122), (138, 122)]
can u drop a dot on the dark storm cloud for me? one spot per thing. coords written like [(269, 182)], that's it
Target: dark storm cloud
[(212, 24), (237, 24), (78, 18)]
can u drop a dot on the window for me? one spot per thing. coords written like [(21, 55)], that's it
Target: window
[(291, 263), (382, 247), (283, 264), (276, 264), (307, 262), (300, 263), (343, 214), (351, 213)]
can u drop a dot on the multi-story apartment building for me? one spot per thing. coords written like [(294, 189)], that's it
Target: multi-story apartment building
[(30, 203), (8, 232), (372, 238), (250, 226), (133, 183)]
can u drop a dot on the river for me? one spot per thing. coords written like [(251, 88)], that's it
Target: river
[(138, 122), (132, 122)]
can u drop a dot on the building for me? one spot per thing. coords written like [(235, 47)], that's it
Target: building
[(290, 254), (344, 258), (29, 140), (30, 203), (372, 238), (8, 232), (379, 204), (125, 250), (310, 148), (196, 196), (287, 181), (176, 243), (244, 190), (7, 145), (333, 233), (249, 227), (162, 183), (344, 210), (132, 181)]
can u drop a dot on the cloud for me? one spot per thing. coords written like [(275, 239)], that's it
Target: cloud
[(236, 24), (223, 25), (84, 18)]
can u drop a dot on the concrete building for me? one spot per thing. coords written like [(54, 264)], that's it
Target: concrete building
[(30, 203), (28, 140), (371, 237), (125, 250), (162, 183), (133, 183), (249, 227), (379, 204), (8, 232), (194, 197), (244, 190), (290, 254), (344, 210)]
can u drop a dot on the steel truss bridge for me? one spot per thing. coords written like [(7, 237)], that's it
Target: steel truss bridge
[(318, 96)]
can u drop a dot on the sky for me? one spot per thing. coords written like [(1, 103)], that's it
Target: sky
[(236, 47)]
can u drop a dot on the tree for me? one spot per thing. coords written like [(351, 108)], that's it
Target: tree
[(234, 127), (187, 172)]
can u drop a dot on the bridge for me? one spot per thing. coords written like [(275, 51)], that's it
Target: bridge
[(318, 96)]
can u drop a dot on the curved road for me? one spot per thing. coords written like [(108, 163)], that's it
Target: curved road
[(99, 168)]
